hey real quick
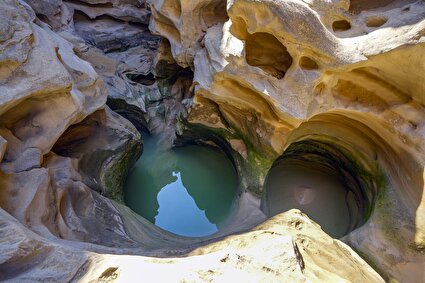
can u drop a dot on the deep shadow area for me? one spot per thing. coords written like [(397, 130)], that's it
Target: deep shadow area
[(341, 25), (323, 181), (265, 51)]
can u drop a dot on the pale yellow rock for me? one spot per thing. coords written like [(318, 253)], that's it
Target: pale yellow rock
[(287, 246), (266, 75), (360, 82), (184, 23), (54, 89)]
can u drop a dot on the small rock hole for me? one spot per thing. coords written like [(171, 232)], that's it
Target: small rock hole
[(341, 25), (375, 21), (307, 63), (265, 51)]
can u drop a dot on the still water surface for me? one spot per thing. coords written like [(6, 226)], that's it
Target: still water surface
[(188, 190), (320, 195)]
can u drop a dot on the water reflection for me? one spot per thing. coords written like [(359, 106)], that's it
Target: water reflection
[(178, 212), (319, 194), (188, 191)]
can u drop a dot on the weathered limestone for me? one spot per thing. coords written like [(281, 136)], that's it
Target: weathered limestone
[(354, 78), (106, 146), (266, 74), (290, 246), (184, 24), (44, 92)]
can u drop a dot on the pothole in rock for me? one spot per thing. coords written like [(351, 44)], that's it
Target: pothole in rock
[(187, 190), (341, 25), (322, 181)]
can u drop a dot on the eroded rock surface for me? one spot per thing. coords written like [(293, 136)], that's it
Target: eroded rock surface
[(279, 72), (290, 246), (253, 77), (184, 24), (105, 145)]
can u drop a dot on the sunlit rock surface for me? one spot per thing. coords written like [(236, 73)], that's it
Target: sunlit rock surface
[(288, 246), (360, 87), (184, 24), (266, 75)]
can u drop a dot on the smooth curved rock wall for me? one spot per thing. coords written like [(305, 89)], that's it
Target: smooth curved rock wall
[(354, 73), (347, 72)]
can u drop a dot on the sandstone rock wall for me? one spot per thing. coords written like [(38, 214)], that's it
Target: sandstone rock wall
[(266, 74), (279, 72)]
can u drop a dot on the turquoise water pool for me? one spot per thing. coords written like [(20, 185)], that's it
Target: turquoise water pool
[(187, 190)]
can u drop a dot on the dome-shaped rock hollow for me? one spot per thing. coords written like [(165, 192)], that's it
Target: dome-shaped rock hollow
[(307, 63), (263, 50), (186, 190), (375, 21), (341, 25), (320, 179)]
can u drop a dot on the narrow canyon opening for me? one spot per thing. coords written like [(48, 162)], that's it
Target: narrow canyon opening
[(187, 190)]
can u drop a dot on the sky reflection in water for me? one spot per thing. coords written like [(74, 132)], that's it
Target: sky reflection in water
[(188, 191)]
